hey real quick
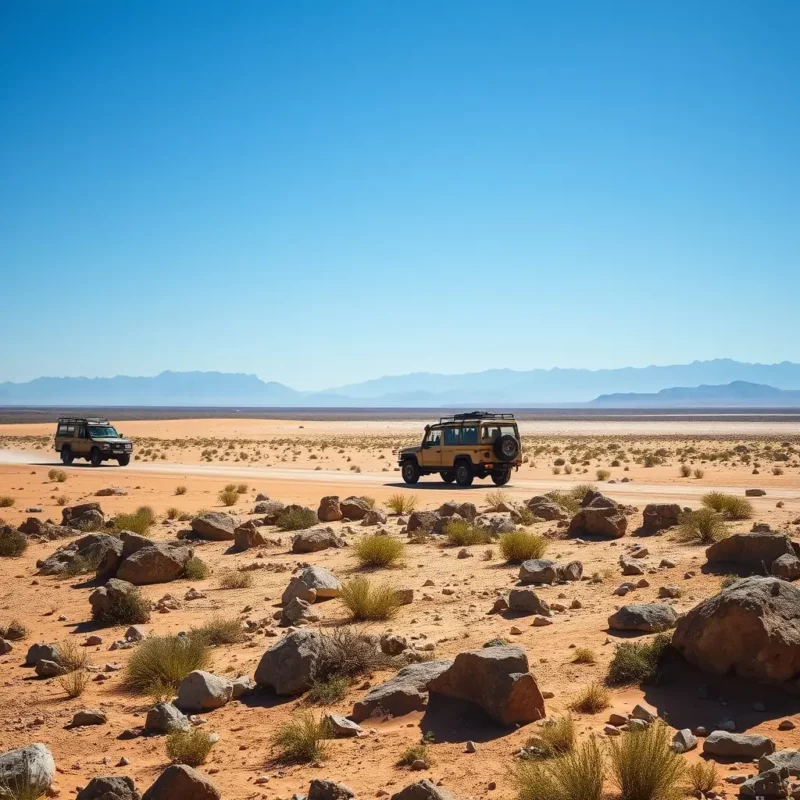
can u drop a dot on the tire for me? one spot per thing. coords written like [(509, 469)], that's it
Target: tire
[(66, 456), (96, 457), (449, 475), (410, 471), (464, 476), (501, 478), (123, 461), (506, 448)]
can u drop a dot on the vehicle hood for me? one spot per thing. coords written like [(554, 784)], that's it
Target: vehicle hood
[(410, 450), (112, 440)]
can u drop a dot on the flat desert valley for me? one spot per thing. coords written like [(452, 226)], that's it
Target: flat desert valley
[(180, 472)]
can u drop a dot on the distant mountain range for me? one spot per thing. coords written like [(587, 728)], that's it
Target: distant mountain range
[(721, 379)]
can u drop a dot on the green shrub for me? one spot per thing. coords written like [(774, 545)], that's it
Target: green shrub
[(196, 569), (526, 517), (236, 579), (164, 661), (644, 766), (296, 519), (591, 700), (139, 521), (635, 663), (555, 737), (578, 775), (129, 609), (219, 630), (303, 739), (401, 504), (189, 747), (702, 526), (416, 752), (367, 601), (519, 546), (730, 506), (228, 497), (12, 542), (328, 691), (461, 533), (379, 550)]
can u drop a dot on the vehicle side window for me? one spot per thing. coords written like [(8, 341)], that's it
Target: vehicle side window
[(434, 438), (490, 433), (469, 435), (81, 433), (66, 430), (452, 436)]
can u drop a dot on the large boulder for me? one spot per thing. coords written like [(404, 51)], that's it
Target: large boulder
[(355, 507), (422, 521), (85, 517), (753, 551), (496, 523), (466, 511), (751, 629), (790, 759), (773, 783), (179, 782), (543, 571), (786, 567), (329, 509), (403, 693), (83, 555), (322, 580), (526, 601), (247, 536), (660, 516), (598, 521), (288, 666), (42, 652), (314, 540), (203, 691), (422, 790), (165, 718), (544, 508), (154, 563), (109, 788), (320, 789), (496, 679), (738, 745), (643, 617), (27, 772), (105, 598), (270, 510), (215, 526)]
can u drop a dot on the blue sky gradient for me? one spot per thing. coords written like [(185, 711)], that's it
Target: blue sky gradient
[(324, 192)]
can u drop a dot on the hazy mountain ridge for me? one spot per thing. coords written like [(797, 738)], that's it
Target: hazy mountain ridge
[(737, 393), (494, 387)]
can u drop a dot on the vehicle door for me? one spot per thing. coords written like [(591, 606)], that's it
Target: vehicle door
[(451, 445), (432, 448), (470, 444), (81, 444)]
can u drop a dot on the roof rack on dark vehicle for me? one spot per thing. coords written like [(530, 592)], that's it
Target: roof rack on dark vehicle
[(474, 415), (83, 420)]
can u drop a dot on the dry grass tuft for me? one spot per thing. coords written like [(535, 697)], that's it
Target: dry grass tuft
[(303, 739), (228, 497), (703, 526), (730, 506), (131, 609), (556, 737), (593, 699), (401, 504), (635, 663), (189, 747), (218, 631), (196, 569), (162, 662), (702, 777), (367, 601), (236, 579), (461, 533), (576, 776), (584, 655), (379, 550), (139, 521), (74, 683), (519, 546), (12, 542)]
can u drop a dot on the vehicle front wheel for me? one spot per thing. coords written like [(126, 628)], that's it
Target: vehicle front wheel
[(501, 478), (410, 471), (464, 476), (96, 458), (66, 456), (448, 476), (123, 461)]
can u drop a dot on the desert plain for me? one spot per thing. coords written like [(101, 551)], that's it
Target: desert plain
[(180, 469)]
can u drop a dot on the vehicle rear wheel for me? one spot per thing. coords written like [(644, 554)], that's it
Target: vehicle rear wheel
[(506, 448), (410, 471), (464, 476), (123, 461), (501, 478), (449, 475), (66, 456), (96, 457)]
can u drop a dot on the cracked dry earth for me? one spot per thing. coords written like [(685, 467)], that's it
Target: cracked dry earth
[(452, 598)]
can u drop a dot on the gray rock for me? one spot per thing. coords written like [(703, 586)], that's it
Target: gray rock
[(756, 551), (496, 523), (598, 521), (49, 669), (738, 745), (329, 509), (298, 589), (164, 718), (683, 741), (392, 645), (322, 580), (82, 719), (104, 598), (215, 526), (314, 540), (422, 790), (526, 601), (328, 790), (154, 563), (288, 666), (660, 516), (242, 685), (94, 548), (343, 727), (630, 566), (374, 517), (37, 652), (786, 567), (772, 783), (202, 691), (86, 516), (782, 758), (422, 520), (544, 508), (109, 788), (538, 570), (643, 617), (355, 508), (296, 611), (247, 536), (179, 782), (29, 771)]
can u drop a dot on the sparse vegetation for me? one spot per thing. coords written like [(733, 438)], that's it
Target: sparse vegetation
[(162, 662), (415, 752), (72, 657), (401, 504), (218, 631), (6, 501), (129, 609), (578, 775), (296, 519), (236, 579), (189, 747), (303, 739), (12, 542), (602, 474), (14, 631), (327, 692), (367, 601), (74, 683), (702, 777), (62, 500), (519, 546), (584, 655), (728, 580), (139, 521), (196, 569), (635, 663), (591, 700), (497, 500), (555, 737), (462, 533), (379, 550), (57, 475), (699, 473), (685, 470), (730, 506), (180, 490), (228, 497), (242, 488), (702, 526)]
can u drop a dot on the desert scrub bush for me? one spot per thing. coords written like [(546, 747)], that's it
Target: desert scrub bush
[(496, 500), (196, 569), (140, 521), (728, 580), (62, 500), (577, 775), (6, 501), (296, 519), (635, 663), (235, 579), (555, 737), (401, 504), (74, 683), (129, 609), (702, 777), (584, 655), (730, 506), (162, 662), (173, 513), (777, 470), (13, 631), (72, 657), (526, 517), (461, 533), (685, 470), (367, 601), (702, 526), (218, 631), (602, 474), (556, 470), (378, 550), (189, 747), (699, 473), (57, 475), (12, 542), (415, 752), (303, 739), (519, 546), (327, 692), (228, 497), (346, 653), (242, 488), (180, 490), (592, 699), (644, 766)]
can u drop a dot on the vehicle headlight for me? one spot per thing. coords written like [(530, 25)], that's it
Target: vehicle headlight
[(106, 446)]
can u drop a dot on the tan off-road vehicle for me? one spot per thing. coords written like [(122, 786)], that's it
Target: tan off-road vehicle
[(91, 438), (464, 447)]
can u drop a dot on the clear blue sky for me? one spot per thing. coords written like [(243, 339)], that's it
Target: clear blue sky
[(320, 192)]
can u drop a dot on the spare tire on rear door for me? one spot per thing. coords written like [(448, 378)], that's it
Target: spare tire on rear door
[(506, 448)]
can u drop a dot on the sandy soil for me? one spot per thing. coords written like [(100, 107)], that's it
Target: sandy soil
[(296, 461)]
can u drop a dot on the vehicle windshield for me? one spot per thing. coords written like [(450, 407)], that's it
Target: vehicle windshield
[(102, 432), (491, 433)]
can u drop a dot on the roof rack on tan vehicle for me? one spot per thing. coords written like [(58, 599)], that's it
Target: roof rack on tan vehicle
[(92, 438), (465, 446)]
